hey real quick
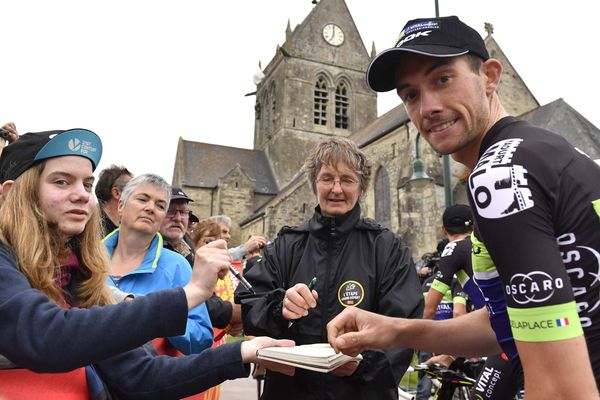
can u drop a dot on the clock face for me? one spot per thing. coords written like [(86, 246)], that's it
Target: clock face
[(333, 34)]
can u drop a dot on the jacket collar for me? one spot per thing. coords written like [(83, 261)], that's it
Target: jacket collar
[(333, 227), (150, 259)]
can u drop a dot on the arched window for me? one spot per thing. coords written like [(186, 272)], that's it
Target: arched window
[(382, 198), (320, 102), (342, 104)]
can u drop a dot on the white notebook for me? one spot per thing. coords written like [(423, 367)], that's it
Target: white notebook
[(318, 357)]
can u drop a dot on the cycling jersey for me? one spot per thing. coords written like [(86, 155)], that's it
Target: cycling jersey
[(456, 260), (453, 294), (536, 252)]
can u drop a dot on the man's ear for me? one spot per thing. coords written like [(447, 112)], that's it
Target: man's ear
[(115, 192), (492, 70)]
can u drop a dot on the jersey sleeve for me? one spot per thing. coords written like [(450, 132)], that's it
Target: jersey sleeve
[(513, 192), (450, 263)]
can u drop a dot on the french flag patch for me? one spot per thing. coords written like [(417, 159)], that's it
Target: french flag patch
[(562, 322)]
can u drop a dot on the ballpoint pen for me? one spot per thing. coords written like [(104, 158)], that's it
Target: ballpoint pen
[(311, 286), (242, 280)]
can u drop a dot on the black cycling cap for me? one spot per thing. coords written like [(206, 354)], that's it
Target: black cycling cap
[(434, 37)]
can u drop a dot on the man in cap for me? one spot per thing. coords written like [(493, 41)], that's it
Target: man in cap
[(455, 259), (175, 225), (111, 182), (536, 204), (223, 314)]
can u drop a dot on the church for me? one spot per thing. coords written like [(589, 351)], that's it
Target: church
[(313, 88)]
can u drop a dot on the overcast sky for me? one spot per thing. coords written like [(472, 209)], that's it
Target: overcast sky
[(143, 73)]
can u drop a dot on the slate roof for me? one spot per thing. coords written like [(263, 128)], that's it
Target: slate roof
[(205, 163), (380, 127), (561, 118)]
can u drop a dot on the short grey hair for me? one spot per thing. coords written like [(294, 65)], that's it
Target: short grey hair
[(336, 150), (151, 179), (221, 219)]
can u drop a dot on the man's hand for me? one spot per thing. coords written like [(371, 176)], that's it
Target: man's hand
[(346, 370), (11, 128), (354, 329), (237, 328), (255, 243), (298, 299), (249, 348), (442, 359), (211, 263)]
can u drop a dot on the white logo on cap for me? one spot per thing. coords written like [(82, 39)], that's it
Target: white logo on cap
[(74, 144)]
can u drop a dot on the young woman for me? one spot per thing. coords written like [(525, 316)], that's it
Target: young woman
[(55, 308)]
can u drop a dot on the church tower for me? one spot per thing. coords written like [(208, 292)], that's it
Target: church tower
[(313, 88)]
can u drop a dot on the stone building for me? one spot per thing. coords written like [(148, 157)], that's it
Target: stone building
[(314, 88)]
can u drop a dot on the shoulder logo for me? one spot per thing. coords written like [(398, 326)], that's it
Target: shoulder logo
[(498, 187), (449, 249), (350, 294)]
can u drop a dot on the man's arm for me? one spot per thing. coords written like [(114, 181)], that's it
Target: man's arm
[(470, 335), (432, 301), (566, 362)]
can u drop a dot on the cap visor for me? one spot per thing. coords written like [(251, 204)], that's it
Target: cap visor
[(381, 71)]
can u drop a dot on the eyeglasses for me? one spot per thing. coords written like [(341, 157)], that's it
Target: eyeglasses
[(172, 212), (329, 182)]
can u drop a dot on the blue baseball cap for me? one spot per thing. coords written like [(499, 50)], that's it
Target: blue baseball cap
[(33, 147)]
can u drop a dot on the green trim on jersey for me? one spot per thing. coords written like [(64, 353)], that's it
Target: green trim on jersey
[(462, 277), (483, 265), (459, 300), (544, 324), (596, 204), (440, 286)]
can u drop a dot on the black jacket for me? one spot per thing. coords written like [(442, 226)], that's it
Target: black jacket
[(357, 263)]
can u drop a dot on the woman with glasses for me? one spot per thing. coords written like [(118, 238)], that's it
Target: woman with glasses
[(139, 263), (356, 263), (56, 312)]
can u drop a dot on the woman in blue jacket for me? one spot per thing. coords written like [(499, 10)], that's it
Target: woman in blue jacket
[(139, 263), (56, 313)]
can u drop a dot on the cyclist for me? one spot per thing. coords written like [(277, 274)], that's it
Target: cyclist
[(499, 378), (536, 203)]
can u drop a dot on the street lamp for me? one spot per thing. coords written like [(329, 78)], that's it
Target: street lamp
[(419, 178)]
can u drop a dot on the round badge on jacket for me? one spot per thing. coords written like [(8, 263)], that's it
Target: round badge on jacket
[(351, 294)]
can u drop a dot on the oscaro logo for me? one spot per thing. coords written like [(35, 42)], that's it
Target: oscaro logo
[(74, 144), (534, 287)]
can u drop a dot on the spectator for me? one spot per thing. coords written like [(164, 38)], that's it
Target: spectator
[(55, 307), (357, 263), (237, 253), (206, 231), (174, 226), (140, 265), (111, 182), (223, 314), (8, 133)]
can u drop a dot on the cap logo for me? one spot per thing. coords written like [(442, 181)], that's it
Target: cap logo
[(74, 144), (412, 36), (424, 25)]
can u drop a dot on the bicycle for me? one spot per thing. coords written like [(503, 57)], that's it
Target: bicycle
[(446, 381)]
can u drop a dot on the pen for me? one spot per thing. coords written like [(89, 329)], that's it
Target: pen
[(242, 280), (311, 286)]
